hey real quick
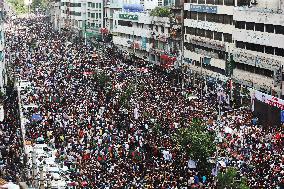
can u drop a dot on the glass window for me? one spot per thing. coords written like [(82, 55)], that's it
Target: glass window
[(279, 52), (240, 44), (228, 19), (240, 25), (229, 2), (249, 26), (201, 16), (269, 28), (193, 15), (216, 18), (269, 50), (279, 29), (192, 31), (218, 36), (162, 29), (218, 2), (221, 18), (210, 2), (193, 1), (259, 27), (210, 17), (209, 34), (200, 32), (244, 2), (201, 1), (228, 37)]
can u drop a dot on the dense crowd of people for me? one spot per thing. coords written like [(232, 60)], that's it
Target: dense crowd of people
[(112, 124)]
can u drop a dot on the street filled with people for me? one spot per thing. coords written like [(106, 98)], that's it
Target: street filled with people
[(112, 119)]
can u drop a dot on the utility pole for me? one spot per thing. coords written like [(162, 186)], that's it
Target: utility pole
[(135, 62), (41, 179), (201, 62), (182, 44)]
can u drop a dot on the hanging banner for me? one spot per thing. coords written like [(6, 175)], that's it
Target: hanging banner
[(268, 99)]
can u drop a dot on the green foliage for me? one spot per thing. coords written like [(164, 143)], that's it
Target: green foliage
[(126, 95), (102, 79), (42, 4), (18, 6), (197, 143), (161, 12), (228, 180)]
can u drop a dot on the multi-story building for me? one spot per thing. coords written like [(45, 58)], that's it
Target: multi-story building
[(2, 45), (55, 14), (259, 45), (156, 39), (208, 29), (85, 17)]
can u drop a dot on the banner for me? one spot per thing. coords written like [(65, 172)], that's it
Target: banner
[(268, 99)]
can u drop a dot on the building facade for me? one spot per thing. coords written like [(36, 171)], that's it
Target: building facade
[(208, 29), (83, 16), (259, 45), (2, 53)]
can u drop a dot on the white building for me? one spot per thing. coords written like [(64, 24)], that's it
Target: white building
[(2, 53), (259, 50), (82, 15), (151, 35), (208, 29)]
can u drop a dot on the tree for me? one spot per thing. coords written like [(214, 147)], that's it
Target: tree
[(198, 143), (160, 12), (228, 180), (18, 6)]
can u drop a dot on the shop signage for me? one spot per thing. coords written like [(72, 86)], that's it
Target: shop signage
[(203, 8), (244, 57), (206, 43), (268, 99), (128, 16)]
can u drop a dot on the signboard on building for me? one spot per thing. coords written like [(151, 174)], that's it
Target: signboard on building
[(203, 8), (128, 16), (242, 56), (207, 43), (267, 99)]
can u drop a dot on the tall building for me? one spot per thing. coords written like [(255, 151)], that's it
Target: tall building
[(259, 45), (2, 45), (208, 29), (83, 16)]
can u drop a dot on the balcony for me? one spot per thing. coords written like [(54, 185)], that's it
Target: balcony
[(224, 28), (257, 59), (251, 78), (205, 42), (131, 30), (261, 38)]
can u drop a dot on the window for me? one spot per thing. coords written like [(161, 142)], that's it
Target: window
[(244, 2), (269, 50), (192, 31), (210, 17), (228, 19), (269, 28), (218, 36), (193, 15), (193, 1), (255, 47), (240, 25), (201, 1), (200, 32), (250, 26), (209, 34), (218, 2), (221, 18), (228, 38), (229, 2), (210, 2), (89, 14), (279, 52), (279, 29), (259, 27), (201, 16), (162, 29), (240, 44)]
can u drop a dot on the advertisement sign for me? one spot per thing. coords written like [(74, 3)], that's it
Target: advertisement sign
[(203, 8), (282, 116), (128, 17), (268, 99), (144, 41), (207, 43)]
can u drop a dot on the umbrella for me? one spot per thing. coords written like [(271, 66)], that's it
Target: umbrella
[(36, 117)]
